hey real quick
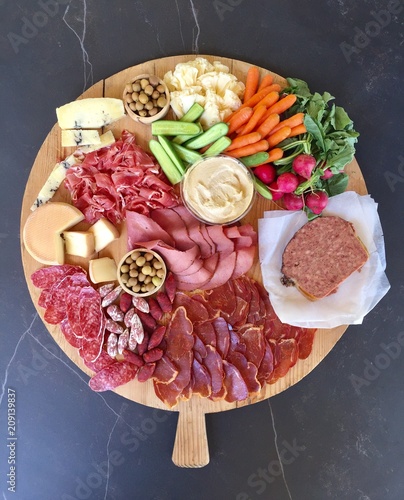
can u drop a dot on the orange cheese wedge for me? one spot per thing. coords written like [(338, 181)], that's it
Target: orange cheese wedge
[(42, 231)]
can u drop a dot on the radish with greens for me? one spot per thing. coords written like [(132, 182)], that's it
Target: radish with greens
[(293, 201), (316, 201), (304, 165), (287, 182), (265, 173), (276, 192)]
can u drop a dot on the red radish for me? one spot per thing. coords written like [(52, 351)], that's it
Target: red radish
[(317, 201), (265, 173), (287, 182), (304, 165), (293, 201), (327, 174), (276, 192)]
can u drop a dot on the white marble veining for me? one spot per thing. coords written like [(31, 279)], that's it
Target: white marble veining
[(108, 461), (277, 448), (78, 24), (179, 22), (197, 28), (6, 373)]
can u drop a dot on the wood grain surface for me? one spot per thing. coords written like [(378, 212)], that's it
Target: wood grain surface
[(190, 448)]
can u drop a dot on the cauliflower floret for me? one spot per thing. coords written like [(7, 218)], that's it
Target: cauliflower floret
[(210, 85)]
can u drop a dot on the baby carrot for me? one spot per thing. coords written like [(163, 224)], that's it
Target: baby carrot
[(291, 122), (275, 154), (249, 149), (251, 83), (269, 100), (255, 99), (267, 80), (253, 121), (244, 140), (265, 128), (277, 137), (284, 104), (299, 129), (239, 118)]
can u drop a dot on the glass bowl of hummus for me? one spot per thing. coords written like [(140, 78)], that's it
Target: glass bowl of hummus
[(218, 190)]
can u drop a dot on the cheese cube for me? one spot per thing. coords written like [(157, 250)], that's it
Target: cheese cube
[(79, 243), (80, 137), (104, 232), (103, 269), (95, 112)]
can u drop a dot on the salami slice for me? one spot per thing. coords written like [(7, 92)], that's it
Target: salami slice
[(112, 376), (92, 319), (46, 277)]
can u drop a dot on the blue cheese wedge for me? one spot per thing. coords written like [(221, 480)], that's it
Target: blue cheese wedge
[(90, 113), (54, 180), (58, 174), (80, 137)]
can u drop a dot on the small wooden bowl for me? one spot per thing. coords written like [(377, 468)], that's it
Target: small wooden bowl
[(147, 119), (143, 252)]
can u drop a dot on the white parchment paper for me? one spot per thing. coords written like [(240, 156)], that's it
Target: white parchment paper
[(356, 296)]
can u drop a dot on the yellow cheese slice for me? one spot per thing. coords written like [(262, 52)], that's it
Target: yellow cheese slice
[(103, 269), (104, 232), (79, 243), (42, 231)]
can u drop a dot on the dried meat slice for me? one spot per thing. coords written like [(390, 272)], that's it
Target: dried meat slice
[(235, 385), (305, 339), (178, 335), (222, 336), (248, 371), (286, 355), (202, 383), (206, 332), (165, 371), (146, 372), (112, 376), (170, 392), (254, 340), (214, 364), (196, 311), (267, 365)]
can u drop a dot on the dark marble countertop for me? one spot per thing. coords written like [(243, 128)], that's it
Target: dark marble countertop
[(339, 432)]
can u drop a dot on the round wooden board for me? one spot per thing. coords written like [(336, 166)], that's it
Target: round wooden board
[(190, 449)]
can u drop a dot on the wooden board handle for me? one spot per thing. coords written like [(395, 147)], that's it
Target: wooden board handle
[(191, 443)]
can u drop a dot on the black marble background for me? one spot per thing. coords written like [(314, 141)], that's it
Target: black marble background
[(336, 441)]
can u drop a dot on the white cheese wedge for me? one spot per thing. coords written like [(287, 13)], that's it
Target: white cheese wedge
[(80, 137), (91, 113), (103, 269), (42, 231), (104, 232), (58, 174), (79, 243)]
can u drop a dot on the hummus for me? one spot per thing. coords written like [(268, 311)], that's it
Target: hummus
[(218, 190)]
